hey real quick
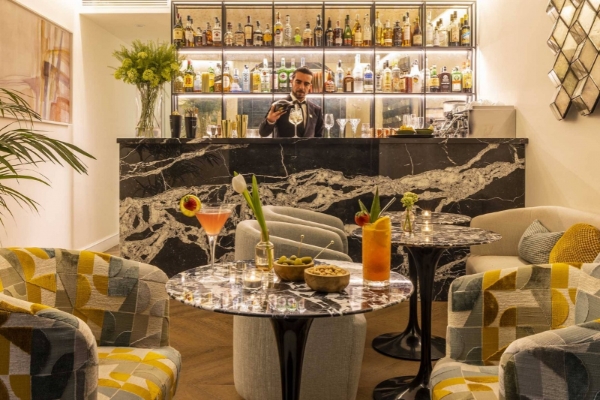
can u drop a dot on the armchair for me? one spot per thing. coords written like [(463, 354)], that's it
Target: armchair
[(528, 332), (83, 325)]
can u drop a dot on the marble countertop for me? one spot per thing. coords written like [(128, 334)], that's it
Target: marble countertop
[(441, 218), (218, 293), (328, 141)]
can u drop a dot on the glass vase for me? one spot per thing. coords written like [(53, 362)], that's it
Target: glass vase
[(264, 255), (149, 108), (408, 221)]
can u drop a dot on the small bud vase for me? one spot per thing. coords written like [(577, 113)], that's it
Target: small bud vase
[(408, 221), (264, 255)]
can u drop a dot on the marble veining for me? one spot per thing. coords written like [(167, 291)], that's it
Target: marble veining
[(228, 297), (436, 218)]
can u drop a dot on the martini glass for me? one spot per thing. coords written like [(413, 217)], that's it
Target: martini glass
[(354, 124), (342, 123), (296, 118), (212, 218)]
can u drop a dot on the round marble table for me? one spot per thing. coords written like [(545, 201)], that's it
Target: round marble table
[(426, 251), (440, 218), (217, 292)]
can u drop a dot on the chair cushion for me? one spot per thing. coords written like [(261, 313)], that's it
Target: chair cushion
[(453, 380), (537, 243), (587, 304), (132, 373), (477, 264), (580, 243)]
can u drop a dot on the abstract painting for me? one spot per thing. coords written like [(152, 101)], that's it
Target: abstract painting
[(35, 59)]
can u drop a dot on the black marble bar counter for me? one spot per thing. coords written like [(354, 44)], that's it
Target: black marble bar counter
[(467, 176)]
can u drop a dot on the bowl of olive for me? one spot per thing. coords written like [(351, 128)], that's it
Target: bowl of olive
[(292, 268)]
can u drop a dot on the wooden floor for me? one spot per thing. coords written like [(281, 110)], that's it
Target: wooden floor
[(205, 341)]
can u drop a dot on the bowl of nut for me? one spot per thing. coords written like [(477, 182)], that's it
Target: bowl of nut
[(292, 268), (326, 278)]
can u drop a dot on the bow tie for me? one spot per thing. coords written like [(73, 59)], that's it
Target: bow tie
[(300, 102)]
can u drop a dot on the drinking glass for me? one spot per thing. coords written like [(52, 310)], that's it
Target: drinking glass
[(354, 124), (377, 253), (407, 121), (342, 123), (296, 118), (212, 218), (328, 123), (418, 122)]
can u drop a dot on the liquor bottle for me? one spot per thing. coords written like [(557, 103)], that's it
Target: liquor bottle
[(445, 81), (417, 36), (397, 87), (379, 40), (256, 79), (347, 32), (198, 38), (248, 33), (189, 33), (297, 37), (226, 79), (429, 31), (456, 80), (434, 86), (307, 36), (204, 41), (338, 35), (288, 38), (454, 32), (407, 81), (443, 34), (291, 71), (209, 36), (377, 73), (267, 37), (465, 33), (318, 36), (179, 84), (211, 78), (386, 78), (238, 36), (228, 38), (427, 77), (339, 77), (278, 31), (367, 32), (467, 74), (417, 79), (197, 82), (358, 75), (348, 82), (265, 77), (188, 78), (330, 83), (329, 34), (283, 77), (436, 36), (218, 79), (257, 35), (178, 35), (357, 35), (302, 62), (246, 80), (217, 34), (398, 34), (406, 33), (388, 34), (368, 83), (235, 82)]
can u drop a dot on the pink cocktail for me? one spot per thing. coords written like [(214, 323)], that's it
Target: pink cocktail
[(212, 218)]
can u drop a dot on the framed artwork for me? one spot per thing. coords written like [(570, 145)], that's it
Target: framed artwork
[(36, 60)]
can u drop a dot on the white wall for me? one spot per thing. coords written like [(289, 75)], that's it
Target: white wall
[(514, 64)]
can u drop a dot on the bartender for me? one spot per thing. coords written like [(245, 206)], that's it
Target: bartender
[(277, 122)]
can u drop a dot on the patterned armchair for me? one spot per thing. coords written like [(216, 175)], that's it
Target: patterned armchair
[(522, 333), (83, 325)]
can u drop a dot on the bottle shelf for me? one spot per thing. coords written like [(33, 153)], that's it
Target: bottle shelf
[(335, 49), (324, 94)]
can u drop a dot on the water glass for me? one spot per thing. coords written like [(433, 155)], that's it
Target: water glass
[(292, 304), (407, 121), (418, 122), (302, 305), (328, 122), (281, 304), (365, 130)]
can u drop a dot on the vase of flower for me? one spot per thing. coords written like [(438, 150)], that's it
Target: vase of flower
[(149, 106), (264, 254), (408, 221)]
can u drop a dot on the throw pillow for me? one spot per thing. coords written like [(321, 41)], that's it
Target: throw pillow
[(537, 243), (580, 243)]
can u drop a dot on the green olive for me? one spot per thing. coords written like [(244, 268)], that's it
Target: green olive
[(293, 257), (282, 259), (307, 260), (298, 261)]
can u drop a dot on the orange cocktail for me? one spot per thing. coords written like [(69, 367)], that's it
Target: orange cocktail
[(377, 252), (213, 220)]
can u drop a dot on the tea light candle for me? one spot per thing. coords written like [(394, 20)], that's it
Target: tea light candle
[(252, 279), (426, 229), (426, 215)]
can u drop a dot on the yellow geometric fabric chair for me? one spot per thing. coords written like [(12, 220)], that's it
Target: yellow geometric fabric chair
[(83, 325)]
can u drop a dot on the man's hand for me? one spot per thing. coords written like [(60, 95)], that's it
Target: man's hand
[(273, 115)]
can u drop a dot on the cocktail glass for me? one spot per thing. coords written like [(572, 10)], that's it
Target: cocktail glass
[(342, 123), (354, 124), (328, 123), (296, 118), (377, 253), (212, 218)]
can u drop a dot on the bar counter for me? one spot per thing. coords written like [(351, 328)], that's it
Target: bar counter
[(468, 176)]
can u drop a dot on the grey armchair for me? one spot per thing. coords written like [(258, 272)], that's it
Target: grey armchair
[(335, 346)]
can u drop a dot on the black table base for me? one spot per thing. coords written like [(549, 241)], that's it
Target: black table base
[(407, 344), (291, 335), (406, 387)]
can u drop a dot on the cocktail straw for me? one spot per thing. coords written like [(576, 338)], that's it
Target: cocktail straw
[(300, 246), (330, 243), (387, 205)]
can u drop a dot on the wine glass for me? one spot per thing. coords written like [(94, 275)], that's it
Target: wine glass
[(212, 218), (342, 123), (328, 123), (354, 124), (296, 118)]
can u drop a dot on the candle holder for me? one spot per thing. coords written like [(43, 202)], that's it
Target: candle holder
[(426, 215), (427, 229), (252, 279)]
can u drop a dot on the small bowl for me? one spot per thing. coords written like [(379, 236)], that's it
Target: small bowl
[(406, 132), (294, 273), (327, 284), (425, 131)]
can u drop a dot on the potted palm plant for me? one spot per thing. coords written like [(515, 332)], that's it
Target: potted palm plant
[(22, 147)]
